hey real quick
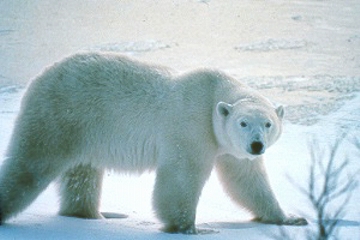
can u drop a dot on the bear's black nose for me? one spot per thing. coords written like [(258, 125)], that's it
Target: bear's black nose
[(257, 148)]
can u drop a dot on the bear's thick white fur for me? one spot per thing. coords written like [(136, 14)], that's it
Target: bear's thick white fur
[(92, 112)]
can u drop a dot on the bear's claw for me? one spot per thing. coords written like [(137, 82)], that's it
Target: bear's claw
[(291, 221), (295, 221)]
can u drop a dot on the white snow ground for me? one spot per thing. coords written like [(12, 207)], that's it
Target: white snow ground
[(304, 42)]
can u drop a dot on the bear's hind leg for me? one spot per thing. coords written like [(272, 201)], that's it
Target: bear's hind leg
[(21, 181), (80, 190)]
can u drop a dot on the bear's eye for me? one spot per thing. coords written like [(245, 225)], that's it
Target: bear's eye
[(243, 124), (267, 125)]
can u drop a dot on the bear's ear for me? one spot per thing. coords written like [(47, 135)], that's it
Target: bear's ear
[(280, 111), (223, 109)]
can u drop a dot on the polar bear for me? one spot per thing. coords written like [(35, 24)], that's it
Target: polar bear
[(92, 112)]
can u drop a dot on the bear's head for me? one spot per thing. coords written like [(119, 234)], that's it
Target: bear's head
[(248, 127)]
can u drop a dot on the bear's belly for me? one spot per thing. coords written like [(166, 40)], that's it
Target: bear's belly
[(130, 155)]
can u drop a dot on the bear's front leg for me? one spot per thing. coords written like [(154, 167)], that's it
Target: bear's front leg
[(247, 184), (176, 194)]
